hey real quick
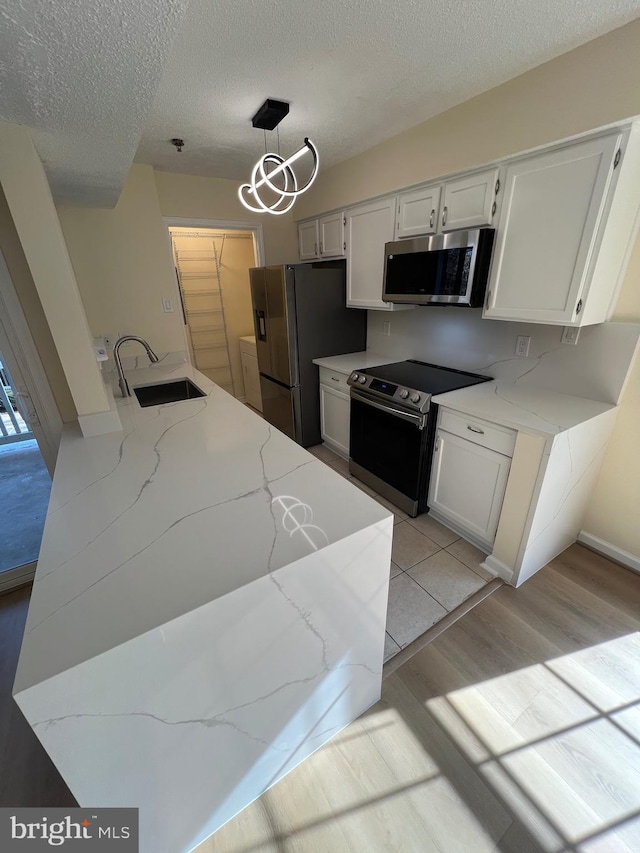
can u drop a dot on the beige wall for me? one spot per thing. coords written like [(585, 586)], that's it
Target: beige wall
[(30, 203), (122, 260), (591, 86), (188, 196), (122, 257), (32, 307), (588, 87)]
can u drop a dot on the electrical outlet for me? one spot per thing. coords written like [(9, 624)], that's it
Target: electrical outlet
[(386, 328), (167, 306), (522, 345), (570, 335)]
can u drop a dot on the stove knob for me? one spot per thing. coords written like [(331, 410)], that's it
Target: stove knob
[(362, 380), (404, 394), (355, 377), (415, 398)]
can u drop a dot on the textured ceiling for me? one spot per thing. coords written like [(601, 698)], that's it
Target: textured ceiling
[(82, 74), (88, 76), (355, 72)]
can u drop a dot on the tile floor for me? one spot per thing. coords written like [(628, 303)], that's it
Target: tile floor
[(432, 570)]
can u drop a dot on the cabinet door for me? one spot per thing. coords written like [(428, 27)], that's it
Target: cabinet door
[(551, 210), (334, 419), (468, 201), (467, 484), (251, 377), (369, 227), (308, 240), (418, 212), (331, 232)]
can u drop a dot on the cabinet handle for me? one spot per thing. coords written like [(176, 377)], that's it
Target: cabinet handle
[(320, 248), (475, 429), (315, 248), (444, 216), (333, 379), (437, 447), (433, 213), (493, 208)]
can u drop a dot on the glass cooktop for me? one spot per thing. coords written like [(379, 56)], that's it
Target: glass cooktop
[(421, 376)]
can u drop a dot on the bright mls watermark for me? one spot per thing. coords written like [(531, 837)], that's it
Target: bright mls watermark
[(103, 830)]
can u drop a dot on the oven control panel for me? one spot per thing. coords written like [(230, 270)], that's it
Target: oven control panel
[(407, 397)]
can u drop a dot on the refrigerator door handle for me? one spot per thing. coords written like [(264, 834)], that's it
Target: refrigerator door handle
[(261, 326)]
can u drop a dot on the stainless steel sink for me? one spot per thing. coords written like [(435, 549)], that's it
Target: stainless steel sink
[(167, 392)]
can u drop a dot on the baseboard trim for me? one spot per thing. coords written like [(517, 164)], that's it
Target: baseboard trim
[(607, 549), (497, 567), (14, 578)]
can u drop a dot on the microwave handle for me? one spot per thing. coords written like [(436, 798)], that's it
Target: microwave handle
[(418, 420)]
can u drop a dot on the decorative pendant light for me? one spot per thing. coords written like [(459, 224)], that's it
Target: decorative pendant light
[(272, 171)]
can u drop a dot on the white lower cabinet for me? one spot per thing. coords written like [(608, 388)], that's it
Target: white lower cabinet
[(335, 411), (250, 372), (467, 486)]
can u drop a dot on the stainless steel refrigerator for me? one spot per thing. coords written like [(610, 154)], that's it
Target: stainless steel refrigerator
[(299, 314)]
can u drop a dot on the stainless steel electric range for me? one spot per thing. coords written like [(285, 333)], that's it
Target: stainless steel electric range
[(393, 424)]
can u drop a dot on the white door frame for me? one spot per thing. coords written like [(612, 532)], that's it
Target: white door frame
[(218, 225), (34, 397)]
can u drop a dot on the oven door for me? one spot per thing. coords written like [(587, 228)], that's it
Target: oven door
[(388, 443)]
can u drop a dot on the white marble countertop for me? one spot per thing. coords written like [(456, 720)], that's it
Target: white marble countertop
[(529, 409), (189, 502), (353, 360)]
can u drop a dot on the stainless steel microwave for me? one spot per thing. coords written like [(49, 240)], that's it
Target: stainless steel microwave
[(444, 269)]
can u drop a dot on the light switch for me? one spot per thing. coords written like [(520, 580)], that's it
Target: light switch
[(386, 328), (167, 306), (570, 335), (522, 345)]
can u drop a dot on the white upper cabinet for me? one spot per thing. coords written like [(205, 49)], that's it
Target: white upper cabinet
[(308, 240), (322, 238), (550, 230), (469, 201), (369, 227), (331, 233), (418, 212)]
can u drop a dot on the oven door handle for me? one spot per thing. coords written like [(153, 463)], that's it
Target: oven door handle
[(418, 420)]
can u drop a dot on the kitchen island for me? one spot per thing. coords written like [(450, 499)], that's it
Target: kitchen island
[(208, 609)]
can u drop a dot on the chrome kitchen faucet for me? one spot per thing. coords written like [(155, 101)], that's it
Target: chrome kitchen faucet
[(122, 382)]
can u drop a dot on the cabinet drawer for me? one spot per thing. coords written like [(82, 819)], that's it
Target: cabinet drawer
[(498, 438), (334, 379)]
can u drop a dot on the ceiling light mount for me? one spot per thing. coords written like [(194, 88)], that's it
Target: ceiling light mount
[(178, 143), (270, 114)]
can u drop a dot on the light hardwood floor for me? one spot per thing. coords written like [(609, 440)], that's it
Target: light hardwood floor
[(516, 730)]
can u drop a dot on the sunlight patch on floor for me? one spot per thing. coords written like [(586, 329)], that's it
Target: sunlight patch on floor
[(560, 742)]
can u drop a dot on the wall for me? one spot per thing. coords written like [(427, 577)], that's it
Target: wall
[(122, 257), (585, 88), (588, 87), (32, 308), (30, 203), (188, 196), (122, 260)]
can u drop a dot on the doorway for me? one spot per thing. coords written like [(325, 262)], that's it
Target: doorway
[(212, 269), (30, 429)]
